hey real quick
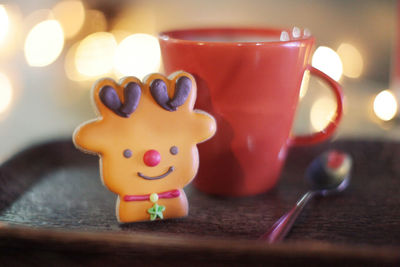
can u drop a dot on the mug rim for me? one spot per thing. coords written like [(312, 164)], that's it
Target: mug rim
[(176, 36)]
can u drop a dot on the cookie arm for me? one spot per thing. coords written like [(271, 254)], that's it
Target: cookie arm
[(84, 137), (204, 126)]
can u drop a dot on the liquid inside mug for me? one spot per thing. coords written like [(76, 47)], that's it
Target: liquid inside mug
[(250, 82)]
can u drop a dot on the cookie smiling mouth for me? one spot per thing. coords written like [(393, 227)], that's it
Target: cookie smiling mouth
[(171, 169)]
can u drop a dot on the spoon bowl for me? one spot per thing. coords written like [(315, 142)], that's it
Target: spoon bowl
[(328, 174)]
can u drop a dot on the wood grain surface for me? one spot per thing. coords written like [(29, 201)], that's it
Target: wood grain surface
[(54, 209)]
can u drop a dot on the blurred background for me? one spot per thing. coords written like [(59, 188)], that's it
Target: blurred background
[(51, 52)]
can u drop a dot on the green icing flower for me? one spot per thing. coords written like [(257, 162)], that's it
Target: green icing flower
[(156, 211)]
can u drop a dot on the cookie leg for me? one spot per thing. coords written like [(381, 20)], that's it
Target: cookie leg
[(176, 207), (132, 211)]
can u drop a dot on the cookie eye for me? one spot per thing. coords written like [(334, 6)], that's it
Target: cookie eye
[(127, 153), (173, 150)]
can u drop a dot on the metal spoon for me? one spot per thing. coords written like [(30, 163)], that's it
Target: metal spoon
[(327, 174)]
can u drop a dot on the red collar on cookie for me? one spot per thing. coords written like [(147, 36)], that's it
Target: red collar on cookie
[(168, 194)]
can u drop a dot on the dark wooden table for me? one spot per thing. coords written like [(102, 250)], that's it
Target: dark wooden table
[(53, 209)]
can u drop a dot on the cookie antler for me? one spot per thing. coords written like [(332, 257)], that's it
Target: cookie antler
[(158, 90), (182, 90), (110, 98)]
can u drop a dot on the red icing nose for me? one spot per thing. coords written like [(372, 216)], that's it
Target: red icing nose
[(151, 158)]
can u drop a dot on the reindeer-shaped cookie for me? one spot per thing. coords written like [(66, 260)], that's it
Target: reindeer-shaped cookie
[(146, 136)]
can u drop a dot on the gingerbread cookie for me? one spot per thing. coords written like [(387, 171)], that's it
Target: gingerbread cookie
[(146, 136)]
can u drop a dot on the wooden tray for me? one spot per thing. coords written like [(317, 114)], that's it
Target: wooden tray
[(54, 209)]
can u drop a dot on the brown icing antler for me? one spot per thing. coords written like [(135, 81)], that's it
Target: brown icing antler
[(132, 96), (110, 98), (182, 90), (158, 90)]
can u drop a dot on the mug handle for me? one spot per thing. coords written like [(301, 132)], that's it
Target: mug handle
[(330, 128)]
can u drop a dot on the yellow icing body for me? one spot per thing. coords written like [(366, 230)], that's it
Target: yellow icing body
[(149, 127)]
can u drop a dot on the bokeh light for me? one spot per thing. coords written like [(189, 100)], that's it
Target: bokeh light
[(71, 15), (322, 112), (328, 61), (352, 60), (385, 105), (95, 54), (137, 55), (11, 31), (4, 23), (6, 93), (44, 43)]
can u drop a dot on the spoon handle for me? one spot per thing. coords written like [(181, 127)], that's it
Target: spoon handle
[(281, 227)]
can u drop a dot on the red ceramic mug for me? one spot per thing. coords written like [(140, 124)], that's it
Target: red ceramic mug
[(250, 82)]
